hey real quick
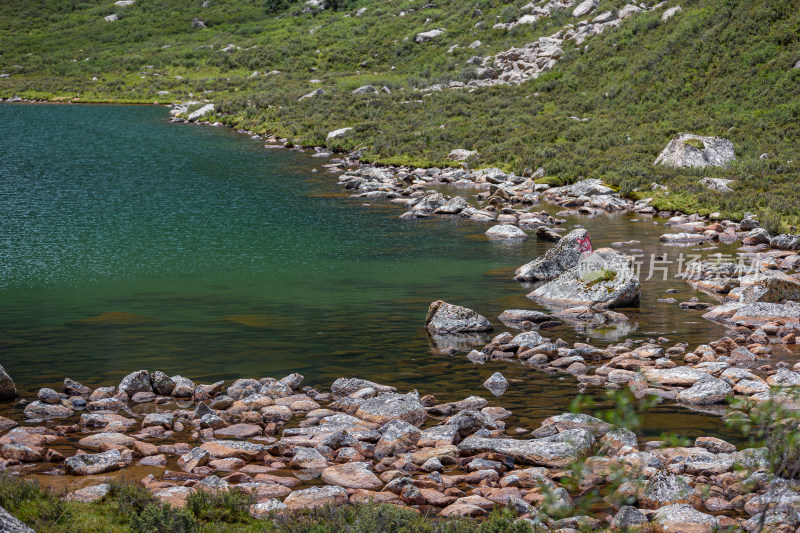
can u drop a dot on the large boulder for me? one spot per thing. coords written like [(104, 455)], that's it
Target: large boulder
[(448, 318), (584, 8), (706, 392), (506, 231), (772, 287), (8, 390), (603, 280), (338, 134), (562, 257), (555, 451), (393, 406), (667, 489), (694, 151), (785, 241), (366, 89), (588, 187), (134, 382), (683, 518), (94, 463)]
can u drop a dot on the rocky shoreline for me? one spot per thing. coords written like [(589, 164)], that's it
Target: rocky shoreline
[(297, 448), (366, 442)]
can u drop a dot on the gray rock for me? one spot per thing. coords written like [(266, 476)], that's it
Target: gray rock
[(346, 386), (9, 524), (682, 376), (134, 382), (312, 94), (785, 241), (716, 151), (514, 316), (266, 509), (366, 89), (667, 489), (200, 113), (588, 187), (73, 388), (308, 458), (8, 390), (453, 206), (184, 387), (460, 154), (426, 36), (448, 318), (94, 463), (629, 519), (708, 392), (562, 257), (529, 339), (555, 451), (682, 517), (603, 280), (162, 383), (48, 396), (771, 287), (584, 8), (506, 231), (393, 406), (40, 409), (717, 184), (496, 383)]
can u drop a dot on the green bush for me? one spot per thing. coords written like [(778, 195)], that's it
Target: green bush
[(228, 506), (163, 519)]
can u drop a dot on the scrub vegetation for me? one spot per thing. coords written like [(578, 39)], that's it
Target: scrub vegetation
[(720, 67)]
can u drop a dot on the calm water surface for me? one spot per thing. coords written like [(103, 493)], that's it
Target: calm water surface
[(127, 242)]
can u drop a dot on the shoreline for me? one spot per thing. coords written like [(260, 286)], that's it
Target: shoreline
[(381, 410)]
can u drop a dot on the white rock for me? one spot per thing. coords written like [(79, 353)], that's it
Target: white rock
[(669, 13), (203, 111), (425, 36), (339, 134), (584, 8), (111, 18), (506, 231), (716, 152)]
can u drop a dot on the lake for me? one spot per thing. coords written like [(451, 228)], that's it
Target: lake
[(128, 242)]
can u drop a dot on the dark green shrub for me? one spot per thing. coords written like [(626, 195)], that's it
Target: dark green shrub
[(130, 498), (163, 519), (220, 506)]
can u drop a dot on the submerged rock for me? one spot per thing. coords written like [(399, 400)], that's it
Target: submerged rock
[(562, 257), (448, 318), (694, 151)]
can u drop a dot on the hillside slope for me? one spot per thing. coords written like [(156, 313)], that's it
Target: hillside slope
[(605, 108)]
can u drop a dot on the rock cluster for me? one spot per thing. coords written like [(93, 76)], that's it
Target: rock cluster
[(367, 442)]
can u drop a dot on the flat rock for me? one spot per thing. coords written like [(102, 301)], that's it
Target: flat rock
[(506, 231), (355, 475), (682, 518), (311, 498), (98, 463), (554, 451)]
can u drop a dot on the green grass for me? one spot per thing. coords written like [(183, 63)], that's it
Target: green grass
[(720, 68)]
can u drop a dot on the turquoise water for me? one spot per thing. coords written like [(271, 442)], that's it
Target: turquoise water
[(128, 242)]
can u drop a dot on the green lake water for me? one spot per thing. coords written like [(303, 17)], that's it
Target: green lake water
[(127, 242)]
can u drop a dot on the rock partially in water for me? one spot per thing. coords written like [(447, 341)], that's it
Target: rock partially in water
[(771, 287), (785, 241), (40, 409), (8, 390), (555, 451), (97, 463), (506, 231), (588, 187), (603, 280), (134, 382), (448, 318), (694, 151), (562, 257), (346, 386), (515, 316), (393, 406), (707, 392), (496, 383)]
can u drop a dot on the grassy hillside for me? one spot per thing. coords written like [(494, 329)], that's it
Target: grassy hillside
[(720, 67)]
